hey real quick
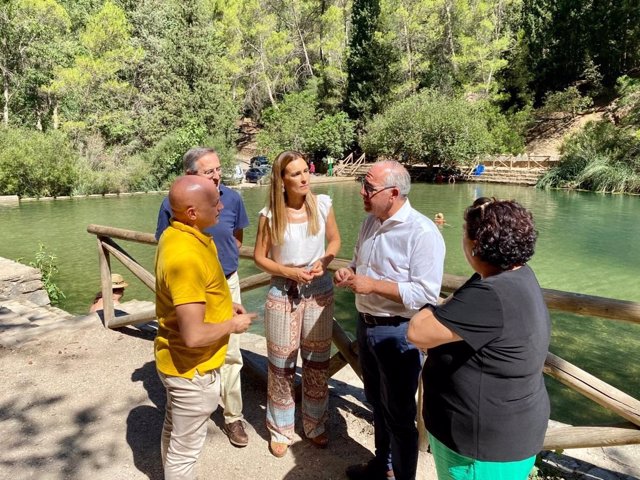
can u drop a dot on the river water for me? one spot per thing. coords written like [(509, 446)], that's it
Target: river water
[(588, 243)]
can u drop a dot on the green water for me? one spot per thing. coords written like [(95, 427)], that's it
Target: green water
[(587, 244)]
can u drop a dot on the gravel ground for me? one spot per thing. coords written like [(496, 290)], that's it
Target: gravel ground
[(87, 404)]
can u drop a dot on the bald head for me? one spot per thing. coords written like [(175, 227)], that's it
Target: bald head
[(195, 201)]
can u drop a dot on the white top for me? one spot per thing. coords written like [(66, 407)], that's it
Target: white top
[(299, 248), (407, 249)]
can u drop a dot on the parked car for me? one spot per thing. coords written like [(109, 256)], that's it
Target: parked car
[(253, 175), (259, 161), (266, 169)]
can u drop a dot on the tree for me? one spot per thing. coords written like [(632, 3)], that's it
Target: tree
[(269, 56), (332, 46), (183, 79), (484, 38), (28, 30), (96, 91), (568, 42), (298, 124), (413, 27), (442, 130), (371, 63)]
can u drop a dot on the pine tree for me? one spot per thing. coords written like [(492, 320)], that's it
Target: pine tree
[(371, 65)]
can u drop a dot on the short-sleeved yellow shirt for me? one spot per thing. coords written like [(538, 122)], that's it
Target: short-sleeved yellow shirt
[(188, 271)]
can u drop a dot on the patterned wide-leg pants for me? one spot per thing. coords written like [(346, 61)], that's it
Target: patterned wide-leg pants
[(298, 317)]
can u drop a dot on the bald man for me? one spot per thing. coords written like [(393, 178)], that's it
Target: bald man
[(196, 315)]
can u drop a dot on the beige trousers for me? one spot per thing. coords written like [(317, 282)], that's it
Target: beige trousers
[(190, 403), (231, 393)]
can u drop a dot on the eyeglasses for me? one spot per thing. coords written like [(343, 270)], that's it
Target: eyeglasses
[(370, 191), (211, 171)]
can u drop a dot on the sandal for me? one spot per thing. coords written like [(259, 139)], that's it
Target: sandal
[(320, 441), (278, 449)]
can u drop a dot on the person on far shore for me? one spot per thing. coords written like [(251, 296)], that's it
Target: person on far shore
[(485, 403), (117, 288), (312, 168), (330, 166), (397, 267), (290, 245), (439, 219)]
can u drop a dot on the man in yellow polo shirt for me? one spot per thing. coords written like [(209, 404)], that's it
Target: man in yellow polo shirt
[(196, 315)]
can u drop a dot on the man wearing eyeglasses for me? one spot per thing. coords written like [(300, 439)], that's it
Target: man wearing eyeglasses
[(227, 235), (396, 270)]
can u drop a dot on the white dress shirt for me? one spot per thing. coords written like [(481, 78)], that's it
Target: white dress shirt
[(407, 249)]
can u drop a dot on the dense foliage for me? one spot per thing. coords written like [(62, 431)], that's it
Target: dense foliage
[(123, 88), (299, 124), (430, 128), (605, 156), (35, 164)]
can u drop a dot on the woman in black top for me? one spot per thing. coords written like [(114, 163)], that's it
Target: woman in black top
[(486, 406)]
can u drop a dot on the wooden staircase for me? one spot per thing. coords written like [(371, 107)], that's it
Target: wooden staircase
[(516, 176), (522, 169)]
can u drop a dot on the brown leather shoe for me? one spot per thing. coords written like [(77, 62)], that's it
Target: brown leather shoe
[(235, 431), (320, 441)]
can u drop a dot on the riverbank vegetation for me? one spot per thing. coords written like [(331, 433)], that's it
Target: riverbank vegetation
[(105, 95), (605, 156)]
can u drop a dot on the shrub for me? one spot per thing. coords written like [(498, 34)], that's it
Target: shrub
[(435, 129), (628, 106), (166, 156), (298, 124), (568, 101), (601, 158), (47, 263), (332, 135), (36, 164)]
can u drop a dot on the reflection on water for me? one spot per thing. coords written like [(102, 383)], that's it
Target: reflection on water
[(587, 243)]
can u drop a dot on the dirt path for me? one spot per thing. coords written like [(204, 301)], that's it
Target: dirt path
[(548, 138), (86, 403)]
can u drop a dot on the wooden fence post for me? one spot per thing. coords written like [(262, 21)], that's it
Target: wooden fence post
[(105, 282)]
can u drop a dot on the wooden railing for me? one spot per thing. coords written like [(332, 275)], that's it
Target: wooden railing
[(570, 375), (348, 166), (518, 161)]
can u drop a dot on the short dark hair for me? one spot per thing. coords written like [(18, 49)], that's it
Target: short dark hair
[(194, 154), (503, 230)]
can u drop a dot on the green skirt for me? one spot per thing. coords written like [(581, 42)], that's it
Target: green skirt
[(453, 466)]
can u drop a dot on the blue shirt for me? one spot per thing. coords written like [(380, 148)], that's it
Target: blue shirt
[(233, 217)]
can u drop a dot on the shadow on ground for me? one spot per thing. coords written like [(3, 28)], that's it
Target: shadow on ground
[(144, 424), (24, 427)]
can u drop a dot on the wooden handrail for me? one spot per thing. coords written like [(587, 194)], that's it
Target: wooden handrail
[(577, 303), (518, 161), (571, 302), (568, 374), (122, 234)]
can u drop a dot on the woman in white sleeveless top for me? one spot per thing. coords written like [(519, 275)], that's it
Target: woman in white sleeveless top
[(290, 245)]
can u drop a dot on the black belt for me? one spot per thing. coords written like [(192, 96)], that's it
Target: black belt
[(230, 275), (374, 320)]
